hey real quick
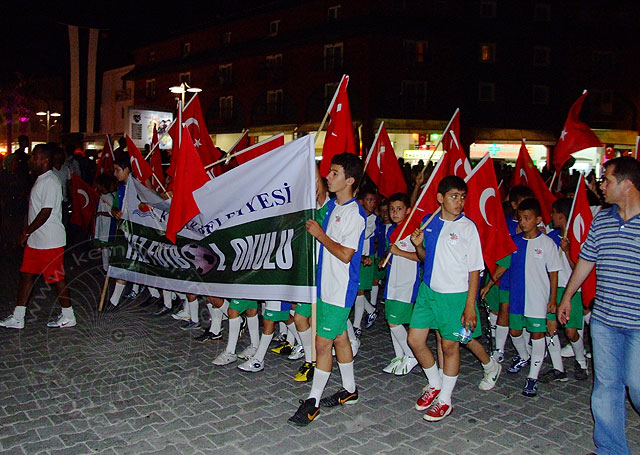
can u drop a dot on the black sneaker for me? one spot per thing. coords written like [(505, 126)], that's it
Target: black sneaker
[(305, 414), (243, 325), (305, 373), (579, 373), (553, 375), (517, 364), (341, 397), (207, 336), (283, 348)]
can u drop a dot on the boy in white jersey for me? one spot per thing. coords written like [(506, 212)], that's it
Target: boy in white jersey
[(450, 248), (341, 237)]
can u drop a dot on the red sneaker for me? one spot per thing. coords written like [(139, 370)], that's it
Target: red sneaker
[(428, 395), (438, 411)]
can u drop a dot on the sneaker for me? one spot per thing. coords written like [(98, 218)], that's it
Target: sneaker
[(579, 373), (497, 355), (252, 366), (517, 364), (181, 315), (371, 319), (341, 397), (392, 366), (490, 376), (12, 323), (190, 325), (553, 375), (61, 322), (305, 373), (132, 294), (248, 352), (163, 311), (297, 353), (438, 411), (225, 358), (207, 336), (306, 413), (567, 351), (283, 348), (358, 332), (408, 364), (428, 395), (530, 388)]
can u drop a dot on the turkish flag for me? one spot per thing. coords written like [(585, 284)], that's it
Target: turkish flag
[(141, 169), (254, 151), (527, 174), (84, 201), (339, 135), (484, 207), (193, 120), (458, 162), (156, 160), (575, 136), (383, 167), (578, 227), (105, 163), (190, 175)]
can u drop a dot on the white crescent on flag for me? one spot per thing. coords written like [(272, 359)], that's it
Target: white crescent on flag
[(523, 174), (466, 166), (134, 160), (84, 194), (378, 158), (578, 228), (486, 194), (190, 121)]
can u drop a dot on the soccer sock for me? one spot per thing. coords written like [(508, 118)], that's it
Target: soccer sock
[(225, 307), (374, 297), (234, 333), (117, 292), (262, 348), (578, 350), (254, 330), (350, 333), (448, 384), (193, 311), (358, 311), (401, 335), (154, 292), (320, 379), (490, 364), (397, 349), (368, 307), (537, 357), (348, 377), (292, 334), (166, 298), (282, 328), (305, 338), (520, 344), (216, 319), (502, 332), (553, 346), (493, 320), (68, 313), (433, 376), (19, 312), (135, 288), (527, 340), (105, 259)]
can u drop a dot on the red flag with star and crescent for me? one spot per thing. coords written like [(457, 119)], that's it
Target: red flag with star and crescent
[(576, 135), (383, 167), (84, 201), (141, 169), (105, 164), (248, 153), (193, 120)]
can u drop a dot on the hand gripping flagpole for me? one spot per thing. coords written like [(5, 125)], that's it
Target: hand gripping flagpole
[(335, 95)]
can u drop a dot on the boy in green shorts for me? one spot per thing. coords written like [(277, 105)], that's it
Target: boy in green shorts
[(236, 308)]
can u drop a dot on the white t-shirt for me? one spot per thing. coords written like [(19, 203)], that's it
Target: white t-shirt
[(47, 193), (64, 175), (403, 275), (369, 232)]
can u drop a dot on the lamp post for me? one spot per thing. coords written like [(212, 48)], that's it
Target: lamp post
[(182, 89), (51, 117)]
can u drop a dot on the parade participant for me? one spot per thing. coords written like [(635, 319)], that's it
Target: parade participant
[(218, 308), (105, 226), (236, 308)]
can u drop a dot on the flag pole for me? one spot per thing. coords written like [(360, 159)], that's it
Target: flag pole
[(248, 149), (444, 132), (233, 147), (335, 95), (553, 179), (573, 204), (366, 163)]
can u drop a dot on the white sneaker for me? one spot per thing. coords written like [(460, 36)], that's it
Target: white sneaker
[(408, 364), (252, 365), (392, 366), (297, 353), (497, 355), (225, 358), (567, 351), (62, 322), (12, 323), (181, 315), (248, 352), (490, 376)]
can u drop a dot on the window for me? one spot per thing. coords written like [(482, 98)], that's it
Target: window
[(487, 9), (486, 92), (186, 49), (413, 94), (151, 56), (274, 102), (415, 51), (274, 27), (333, 13), (186, 78), (333, 56), (225, 104), (274, 61), (150, 88), (540, 95), (329, 90), (488, 52), (542, 12), (225, 73), (541, 56), (226, 38)]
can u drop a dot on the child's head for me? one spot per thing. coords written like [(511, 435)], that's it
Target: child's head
[(383, 208), (369, 200), (346, 170), (560, 212), (399, 206), (519, 193), (529, 215), (122, 168), (452, 191)]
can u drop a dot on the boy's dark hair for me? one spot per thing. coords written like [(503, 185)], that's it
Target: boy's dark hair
[(124, 162), (351, 164), (402, 197), (625, 167), (563, 205), (366, 190), (451, 182), (531, 204), (519, 192), (384, 201)]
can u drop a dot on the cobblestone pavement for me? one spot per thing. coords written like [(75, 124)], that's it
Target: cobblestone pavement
[(126, 382)]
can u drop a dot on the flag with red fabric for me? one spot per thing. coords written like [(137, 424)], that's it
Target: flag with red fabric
[(484, 207), (339, 136), (247, 154), (141, 169), (84, 201), (383, 167), (105, 163), (576, 135), (193, 120), (189, 176), (156, 160), (578, 226)]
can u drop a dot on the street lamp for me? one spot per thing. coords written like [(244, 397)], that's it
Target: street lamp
[(51, 116), (182, 89)]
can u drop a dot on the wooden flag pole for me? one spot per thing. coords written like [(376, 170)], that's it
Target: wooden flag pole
[(446, 130), (221, 160), (326, 114), (573, 204), (552, 180), (105, 286), (366, 163)]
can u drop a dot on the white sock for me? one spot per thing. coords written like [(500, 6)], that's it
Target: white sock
[(527, 340), (263, 346), (68, 313), (216, 319), (433, 376), (502, 332), (448, 384), (537, 357), (234, 333), (167, 298), (193, 310), (350, 333), (135, 288), (368, 307), (105, 259), (225, 307), (358, 311), (401, 335), (282, 328), (320, 379), (578, 350), (19, 312), (374, 297), (490, 364), (292, 334), (397, 349), (520, 344), (154, 292), (254, 330), (305, 338), (348, 377), (553, 346), (493, 320), (117, 292)]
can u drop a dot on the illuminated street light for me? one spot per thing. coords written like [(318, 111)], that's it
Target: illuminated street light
[(49, 116), (182, 89)]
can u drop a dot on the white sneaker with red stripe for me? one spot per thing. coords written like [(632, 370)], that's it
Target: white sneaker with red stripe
[(437, 411), (62, 322), (428, 395)]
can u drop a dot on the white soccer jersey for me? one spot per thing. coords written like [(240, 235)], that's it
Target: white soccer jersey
[(47, 193), (369, 233), (403, 275)]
